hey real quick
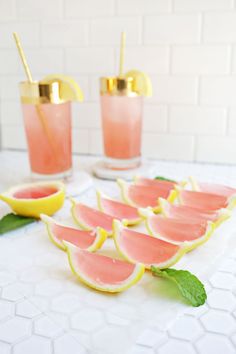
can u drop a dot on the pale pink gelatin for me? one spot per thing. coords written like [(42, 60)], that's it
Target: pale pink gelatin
[(122, 126), (144, 196), (48, 137), (185, 212), (119, 210), (203, 201), (35, 192), (217, 189), (145, 248), (103, 269), (177, 230), (93, 217), (80, 238)]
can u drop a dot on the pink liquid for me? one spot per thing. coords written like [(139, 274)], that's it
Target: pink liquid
[(35, 192), (122, 126), (49, 137)]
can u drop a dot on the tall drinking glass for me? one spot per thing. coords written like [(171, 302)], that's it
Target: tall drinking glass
[(121, 111), (47, 120)]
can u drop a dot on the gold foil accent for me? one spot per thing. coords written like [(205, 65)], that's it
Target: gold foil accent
[(39, 92), (118, 86)]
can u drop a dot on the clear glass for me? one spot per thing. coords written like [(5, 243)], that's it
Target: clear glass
[(48, 132), (122, 130)]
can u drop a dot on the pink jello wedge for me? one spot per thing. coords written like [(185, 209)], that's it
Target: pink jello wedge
[(214, 188), (58, 232), (149, 182), (118, 210), (203, 201), (138, 247), (186, 213), (143, 196), (177, 231), (101, 272), (89, 218)]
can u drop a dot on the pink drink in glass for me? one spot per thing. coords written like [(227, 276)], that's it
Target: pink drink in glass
[(48, 132), (122, 128)]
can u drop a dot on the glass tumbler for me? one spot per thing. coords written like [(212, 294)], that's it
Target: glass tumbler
[(47, 121), (121, 111)]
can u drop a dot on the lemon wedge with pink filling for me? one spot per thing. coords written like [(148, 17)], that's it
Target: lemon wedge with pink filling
[(138, 247), (118, 210), (142, 196), (202, 200), (89, 218), (152, 182), (33, 199), (101, 272), (191, 233), (217, 189), (89, 240), (184, 212)]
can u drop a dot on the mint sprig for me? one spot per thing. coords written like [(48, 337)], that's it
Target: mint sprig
[(12, 222), (188, 284), (160, 178)]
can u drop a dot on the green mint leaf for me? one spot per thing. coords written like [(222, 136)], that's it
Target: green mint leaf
[(160, 178), (12, 221), (189, 285)]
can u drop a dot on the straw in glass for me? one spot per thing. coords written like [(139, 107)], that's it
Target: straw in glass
[(39, 110), (122, 52)]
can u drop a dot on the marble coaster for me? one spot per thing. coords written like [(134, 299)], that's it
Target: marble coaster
[(100, 171)]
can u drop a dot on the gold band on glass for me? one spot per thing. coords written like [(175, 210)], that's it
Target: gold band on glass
[(118, 86), (39, 92)]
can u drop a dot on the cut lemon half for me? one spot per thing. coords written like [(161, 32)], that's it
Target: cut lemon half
[(142, 81), (33, 199), (69, 90), (138, 247), (89, 240), (103, 273)]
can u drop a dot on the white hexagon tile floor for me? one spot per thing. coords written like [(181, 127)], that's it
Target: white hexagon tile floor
[(44, 310)]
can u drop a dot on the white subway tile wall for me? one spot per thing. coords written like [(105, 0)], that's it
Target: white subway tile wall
[(188, 47)]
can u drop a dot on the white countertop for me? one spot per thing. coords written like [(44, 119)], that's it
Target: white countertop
[(44, 310)]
